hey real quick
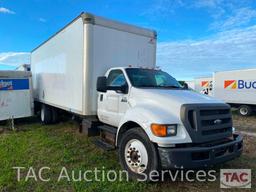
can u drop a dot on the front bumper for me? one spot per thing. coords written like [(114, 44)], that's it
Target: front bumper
[(198, 156)]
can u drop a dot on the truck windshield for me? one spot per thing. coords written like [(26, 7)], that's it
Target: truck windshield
[(150, 78)]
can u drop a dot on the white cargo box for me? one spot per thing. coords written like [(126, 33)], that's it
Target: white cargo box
[(236, 87), (203, 85), (65, 67), (16, 99), (191, 84)]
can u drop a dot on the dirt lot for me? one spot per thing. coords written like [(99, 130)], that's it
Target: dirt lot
[(61, 145), (247, 124)]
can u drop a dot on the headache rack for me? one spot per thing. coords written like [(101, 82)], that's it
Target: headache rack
[(207, 122)]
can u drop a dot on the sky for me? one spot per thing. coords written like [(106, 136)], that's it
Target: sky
[(195, 37)]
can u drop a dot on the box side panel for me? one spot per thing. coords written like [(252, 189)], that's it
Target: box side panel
[(236, 86), (115, 48), (57, 68)]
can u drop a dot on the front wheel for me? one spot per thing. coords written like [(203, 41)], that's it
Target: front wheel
[(138, 154)]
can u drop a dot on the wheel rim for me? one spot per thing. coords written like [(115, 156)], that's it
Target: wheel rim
[(42, 115), (244, 111), (136, 156)]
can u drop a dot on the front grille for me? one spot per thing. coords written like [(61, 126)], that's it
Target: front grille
[(207, 112), (206, 122)]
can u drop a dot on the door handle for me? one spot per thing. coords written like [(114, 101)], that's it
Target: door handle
[(101, 97)]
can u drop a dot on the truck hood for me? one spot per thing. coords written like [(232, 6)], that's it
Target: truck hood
[(172, 96), (164, 105)]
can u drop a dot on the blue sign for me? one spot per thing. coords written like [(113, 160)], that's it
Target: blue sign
[(14, 84)]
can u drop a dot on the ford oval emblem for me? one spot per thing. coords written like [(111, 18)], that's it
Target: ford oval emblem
[(217, 121)]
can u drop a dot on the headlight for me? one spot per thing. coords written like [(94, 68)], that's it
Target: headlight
[(164, 130), (171, 130)]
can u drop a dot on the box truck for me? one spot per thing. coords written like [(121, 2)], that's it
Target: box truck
[(16, 100), (143, 112), (237, 88)]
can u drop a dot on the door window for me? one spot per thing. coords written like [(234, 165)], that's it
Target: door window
[(116, 78)]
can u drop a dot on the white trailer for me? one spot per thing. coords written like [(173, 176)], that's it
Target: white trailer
[(191, 84), (204, 85), (238, 88), (66, 66), (16, 100)]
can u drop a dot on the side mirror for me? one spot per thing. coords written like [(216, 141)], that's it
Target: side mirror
[(102, 84), (185, 86)]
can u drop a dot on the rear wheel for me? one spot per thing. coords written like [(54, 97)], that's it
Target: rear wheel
[(46, 114), (55, 117), (137, 154), (245, 110)]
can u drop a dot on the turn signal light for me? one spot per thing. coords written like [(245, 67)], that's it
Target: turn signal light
[(159, 130), (164, 130)]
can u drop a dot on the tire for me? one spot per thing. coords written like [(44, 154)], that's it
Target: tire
[(55, 117), (135, 142), (46, 114), (245, 110)]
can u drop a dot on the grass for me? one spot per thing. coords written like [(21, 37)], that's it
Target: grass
[(61, 145)]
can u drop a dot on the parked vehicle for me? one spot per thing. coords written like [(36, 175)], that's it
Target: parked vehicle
[(16, 100), (191, 84), (143, 112), (237, 88), (204, 85)]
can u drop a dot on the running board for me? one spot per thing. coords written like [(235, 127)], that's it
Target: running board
[(107, 137), (108, 128), (103, 144)]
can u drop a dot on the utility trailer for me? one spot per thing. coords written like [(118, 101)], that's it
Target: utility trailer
[(16, 100), (237, 88)]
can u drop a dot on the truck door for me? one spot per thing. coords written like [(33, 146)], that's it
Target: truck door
[(113, 104)]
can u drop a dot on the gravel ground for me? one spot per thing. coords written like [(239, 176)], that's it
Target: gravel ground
[(247, 124)]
